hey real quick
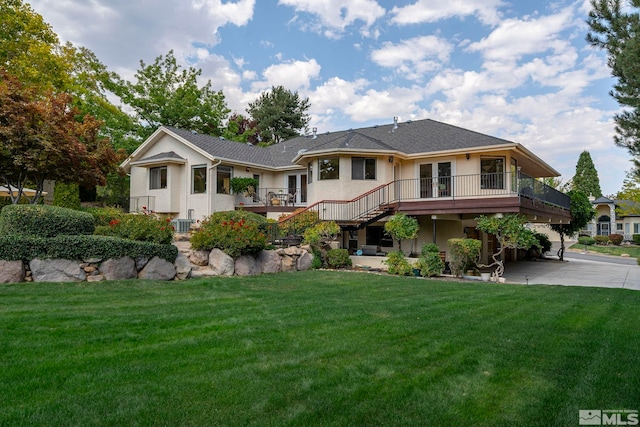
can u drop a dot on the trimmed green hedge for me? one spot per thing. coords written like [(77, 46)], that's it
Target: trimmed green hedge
[(25, 248), (44, 221)]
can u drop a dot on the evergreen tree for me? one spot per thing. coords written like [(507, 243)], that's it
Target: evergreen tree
[(586, 178), (280, 114), (615, 28)]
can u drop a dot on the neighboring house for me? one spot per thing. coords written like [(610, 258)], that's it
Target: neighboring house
[(608, 220), (444, 175)]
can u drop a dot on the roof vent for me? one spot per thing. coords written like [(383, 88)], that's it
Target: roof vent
[(395, 123), (315, 133), (194, 132)]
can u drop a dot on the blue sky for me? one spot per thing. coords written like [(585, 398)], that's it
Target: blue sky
[(519, 70)]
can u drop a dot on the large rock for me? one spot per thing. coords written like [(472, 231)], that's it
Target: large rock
[(288, 263), (200, 258), (221, 264), (246, 265), (158, 269), (11, 271), (119, 269), (304, 261), (183, 267), (269, 261), (56, 270)]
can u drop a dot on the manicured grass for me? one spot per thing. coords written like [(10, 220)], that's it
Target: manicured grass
[(314, 348), (632, 251)]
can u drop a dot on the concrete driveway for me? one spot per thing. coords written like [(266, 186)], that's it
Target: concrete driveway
[(577, 270)]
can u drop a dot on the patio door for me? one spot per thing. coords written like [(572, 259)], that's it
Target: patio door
[(297, 187), (435, 180)]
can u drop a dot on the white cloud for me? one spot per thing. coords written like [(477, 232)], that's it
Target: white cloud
[(335, 15), (515, 37), (435, 10), (413, 57), (293, 75)]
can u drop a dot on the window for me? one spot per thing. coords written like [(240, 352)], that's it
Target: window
[(199, 179), (329, 168), (223, 179), (492, 173), (310, 172), (636, 228), (158, 178), (618, 226), (363, 168)]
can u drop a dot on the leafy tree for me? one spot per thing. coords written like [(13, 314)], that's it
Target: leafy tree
[(29, 49), (629, 197), (581, 213), (615, 28), (241, 129), (166, 94), (42, 137), (586, 178), (280, 114), (510, 233), (401, 227)]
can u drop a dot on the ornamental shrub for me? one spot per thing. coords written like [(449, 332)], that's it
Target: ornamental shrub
[(430, 264), (616, 239), (428, 248), (25, 248), (636, 239), (297, 222), (104, 216), (322, 232), (586, 240), (143, 228), (543, 242), (338, 258), (234, 232), (464, 254), (67, 196), (397, 263), (44, 221), (601, 240)]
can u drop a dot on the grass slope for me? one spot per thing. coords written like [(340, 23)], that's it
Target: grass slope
[(314, 348)]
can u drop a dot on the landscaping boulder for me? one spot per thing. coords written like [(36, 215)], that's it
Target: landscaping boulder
[(200, 258), (119, 269), (221, 264), (269, 261), (11, 271), (288, 263), (246, 265), (183, 267), (141, 262), (304, 261), (56, 270), (158, 269)]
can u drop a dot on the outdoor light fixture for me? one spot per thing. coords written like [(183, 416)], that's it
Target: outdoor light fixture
[(467, 156), (390, 159)]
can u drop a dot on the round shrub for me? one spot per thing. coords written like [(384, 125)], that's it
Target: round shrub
[(543, 241), (338, 258), (616, 239), (601, 240), (397, 263), (234, 232), (586, 240), (430, 264), (464, 253), (44, 221)]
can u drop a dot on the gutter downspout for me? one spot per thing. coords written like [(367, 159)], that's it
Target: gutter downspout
[(210, 187)]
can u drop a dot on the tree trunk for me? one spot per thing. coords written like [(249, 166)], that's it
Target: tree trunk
[(561, 250)]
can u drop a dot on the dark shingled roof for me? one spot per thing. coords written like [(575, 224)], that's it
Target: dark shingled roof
[(163, 156), (420, 136)]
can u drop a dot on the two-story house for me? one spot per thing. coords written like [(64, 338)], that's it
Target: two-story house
[(444, 175)]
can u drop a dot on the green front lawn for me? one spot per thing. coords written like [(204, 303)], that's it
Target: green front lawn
[(632, 251), (314, 348)]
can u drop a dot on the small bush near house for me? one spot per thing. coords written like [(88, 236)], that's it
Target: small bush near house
[(464, 254), (616, 239), (234, 232), (586, 240), (316, 262), (67, 196), (397, 263), (143, 228), (544, 242), (338, 258), (104, 216), (322, 232), (429, 263), (601, 240), (636, 239), (299, 221), (44, 221)]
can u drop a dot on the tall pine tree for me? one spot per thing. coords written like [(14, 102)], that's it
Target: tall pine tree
[(586, 178)]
